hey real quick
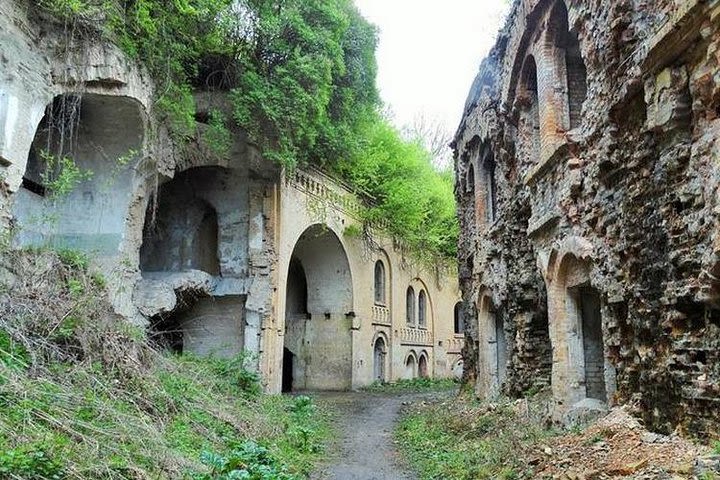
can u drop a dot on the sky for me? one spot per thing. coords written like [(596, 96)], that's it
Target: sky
[(429, 53)]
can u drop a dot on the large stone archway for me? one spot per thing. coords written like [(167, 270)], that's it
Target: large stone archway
[(318, 314)]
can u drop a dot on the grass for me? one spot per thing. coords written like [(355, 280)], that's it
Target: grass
[(463, 439), (415, 385), (84, 395)]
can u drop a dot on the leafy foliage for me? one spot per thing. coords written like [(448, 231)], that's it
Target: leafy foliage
[(29, 461), (248, 461), (216, 136), (414, 201), (62, 175), (300, 79)]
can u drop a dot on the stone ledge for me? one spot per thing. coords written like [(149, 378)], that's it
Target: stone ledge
[(672, 38), (543, 222), (538, 171)]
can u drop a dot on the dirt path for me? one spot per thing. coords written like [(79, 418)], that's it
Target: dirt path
[(365, 450)]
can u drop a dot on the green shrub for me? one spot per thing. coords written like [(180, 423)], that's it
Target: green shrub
[(12, 354), (30, 462), (238, 371), (248, 461), (302, 405), (74, 259)]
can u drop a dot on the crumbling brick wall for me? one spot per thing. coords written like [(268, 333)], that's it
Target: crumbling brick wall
[(628, 185)]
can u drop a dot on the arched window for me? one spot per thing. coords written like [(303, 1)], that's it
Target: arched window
[(379, 282), (410, 306), (422, 309), (576, 79), (530, 114), (575, 73), (459, 321), (470, 181), (488, 168)]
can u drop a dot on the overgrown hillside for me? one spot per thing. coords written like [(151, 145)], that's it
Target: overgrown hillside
[(300, 78), (85, 395)]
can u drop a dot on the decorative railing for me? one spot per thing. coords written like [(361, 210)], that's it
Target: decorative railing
[(381, 314), (321, 186), (416, 336), (455, 344)]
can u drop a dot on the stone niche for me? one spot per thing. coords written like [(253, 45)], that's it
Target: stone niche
[(78, 179), (193, 261)]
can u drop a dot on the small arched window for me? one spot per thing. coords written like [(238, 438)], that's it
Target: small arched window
[(566, 41), (530, 115), (470, 180), (459, 321), (576, 80), (422, 309), (488, 169), (410, 306), (379, 282)]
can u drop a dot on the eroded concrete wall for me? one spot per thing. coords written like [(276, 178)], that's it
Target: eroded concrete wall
[(197, 242), (214, 327)]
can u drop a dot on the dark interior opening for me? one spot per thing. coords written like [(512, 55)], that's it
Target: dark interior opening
[(594, 358), (166, 330), (287, 373)]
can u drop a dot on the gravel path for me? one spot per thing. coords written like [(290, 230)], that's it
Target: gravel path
[(365, 450)]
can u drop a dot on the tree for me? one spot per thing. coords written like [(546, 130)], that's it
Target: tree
[(434, 136)]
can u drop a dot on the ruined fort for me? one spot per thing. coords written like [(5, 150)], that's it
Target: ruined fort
[(587, 178), (213, 255)]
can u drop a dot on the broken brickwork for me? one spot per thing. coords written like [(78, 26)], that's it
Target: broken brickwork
[(600, 205)]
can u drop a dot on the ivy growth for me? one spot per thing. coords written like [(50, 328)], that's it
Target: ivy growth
[(62, 175)]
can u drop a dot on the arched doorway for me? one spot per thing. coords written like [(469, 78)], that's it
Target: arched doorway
[(410, 367), (379, 355), (318, 304), (423, 371), (580, 366)]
